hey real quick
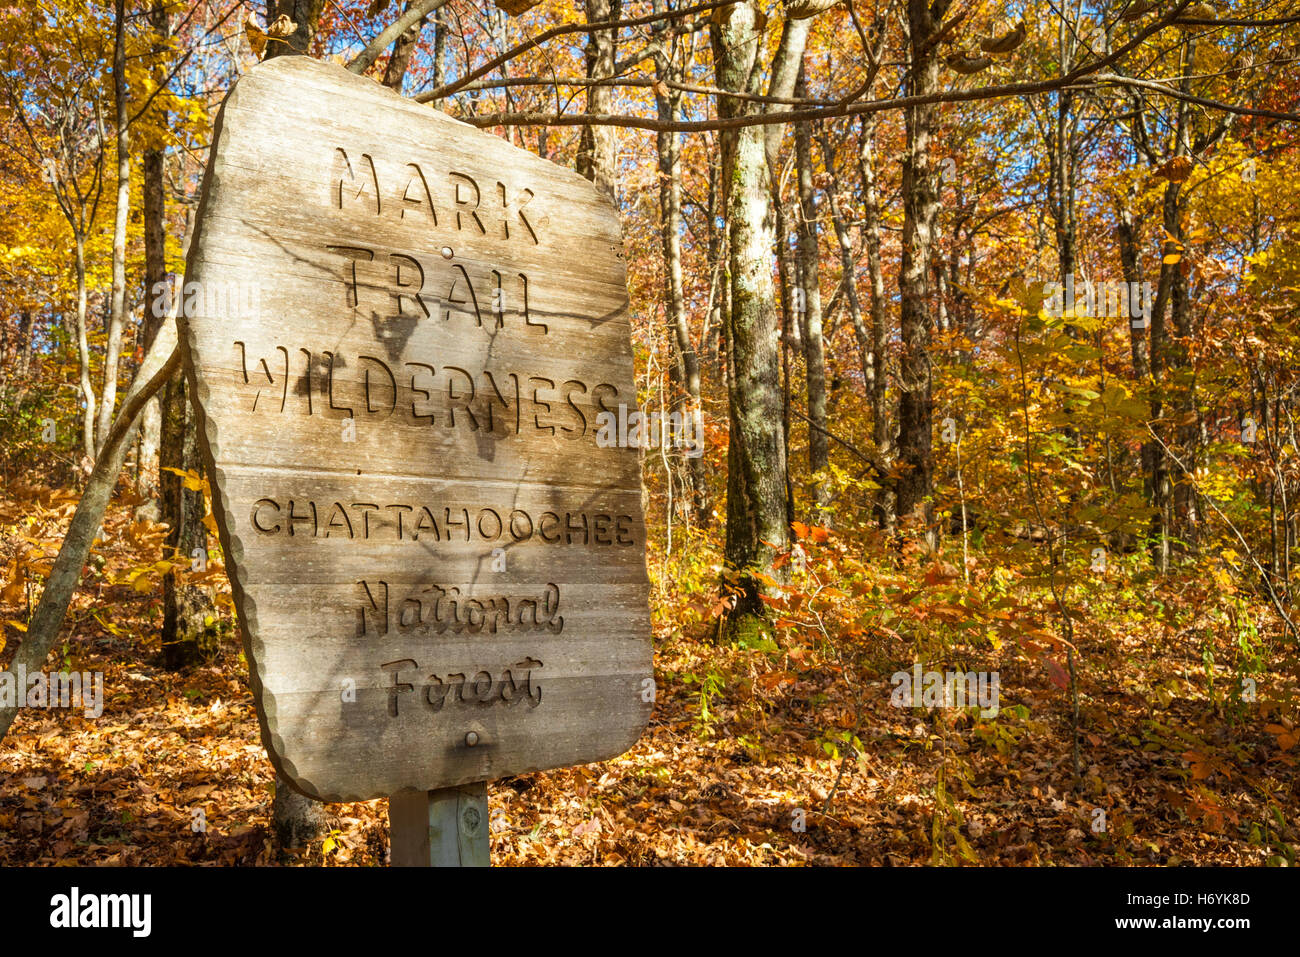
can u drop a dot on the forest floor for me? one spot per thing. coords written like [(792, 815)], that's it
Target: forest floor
[(749, 758)]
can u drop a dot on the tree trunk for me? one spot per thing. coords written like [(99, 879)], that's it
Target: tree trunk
[(920, 213), (155, 275), (719, 290), (1171, 304), (793, 308), (1183, 504), (756, 519), (155, 279), (400, 59), (4, 360), (439, 47), (296, 820), (22, 373), (1126, 231), (814, 347), (117, 313), (786, 67), (1064, 160), (189, 635), (598, 148), (848, 268), (304, 13), (83, 352), (687, 362), (878, 380)]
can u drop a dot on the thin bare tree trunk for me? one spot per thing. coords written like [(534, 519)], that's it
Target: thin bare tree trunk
[(786, 66), (714, 333), (117, 313), (598, 148), (22, 372), (1126, 231), (814, 347), (155, 272), (793, 308), (155, 278), (439, 54), (400, 59), (687, 363), (848, 268), (83, 352), (877, 372)]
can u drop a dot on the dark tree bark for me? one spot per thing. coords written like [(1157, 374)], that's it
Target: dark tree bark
[(1127, 232), (153, 188), (598, 147), (189, 635), (1063, 150), (400, 58), (1171, 494), (305, 14), (920, 214), (789, 280)]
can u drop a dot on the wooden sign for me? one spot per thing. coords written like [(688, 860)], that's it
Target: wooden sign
[(401, 332)]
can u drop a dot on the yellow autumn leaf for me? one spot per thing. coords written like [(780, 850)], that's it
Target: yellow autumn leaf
[(189, 478), (256, 35), (1176, 170)]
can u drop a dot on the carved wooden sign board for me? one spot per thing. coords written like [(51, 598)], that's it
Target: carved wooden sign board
[(404, 332)]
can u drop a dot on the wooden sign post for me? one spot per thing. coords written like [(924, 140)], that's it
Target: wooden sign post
[(403, 336)]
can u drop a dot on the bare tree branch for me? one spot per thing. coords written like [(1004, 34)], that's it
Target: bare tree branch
[(414, 14), (447, 89)]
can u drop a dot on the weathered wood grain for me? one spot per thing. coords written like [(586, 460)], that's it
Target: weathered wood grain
[(401, 332)]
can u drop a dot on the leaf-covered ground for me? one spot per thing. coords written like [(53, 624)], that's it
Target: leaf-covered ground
[(787, 751)]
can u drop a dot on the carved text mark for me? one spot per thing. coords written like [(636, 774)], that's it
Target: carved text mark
[(355, 187), (516, 684), (394, 285), (413, 522), (435, 610), (420, 393)]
